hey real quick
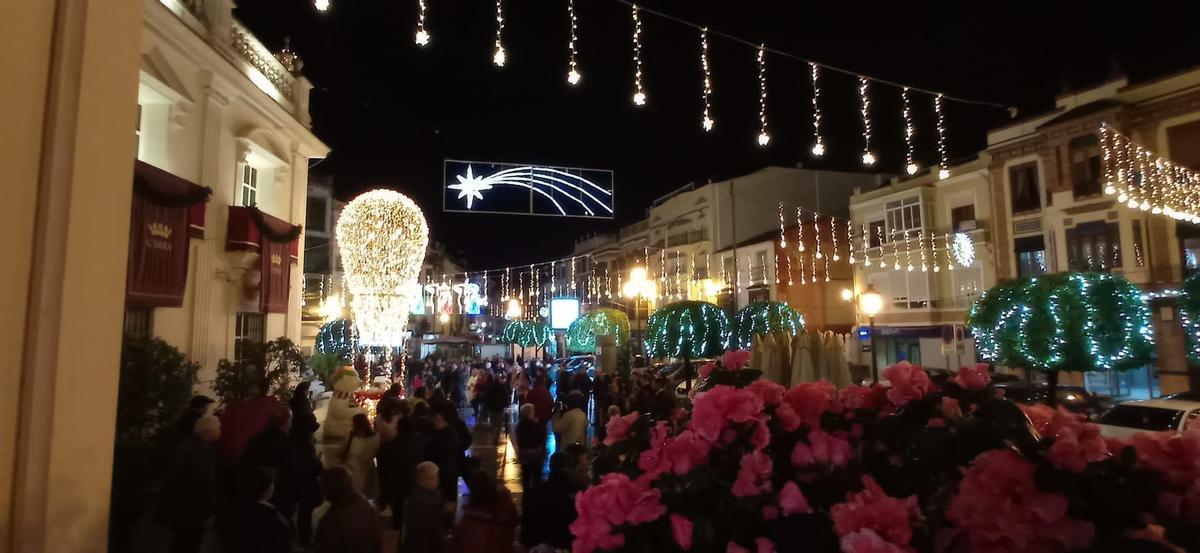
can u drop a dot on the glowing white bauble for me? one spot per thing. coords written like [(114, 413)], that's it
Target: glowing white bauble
[(382, 236)]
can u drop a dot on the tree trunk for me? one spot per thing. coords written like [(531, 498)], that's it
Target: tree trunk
[(1052, 388), (687, 367)]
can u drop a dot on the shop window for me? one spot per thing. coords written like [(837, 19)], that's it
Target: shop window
[(139, 321), (1085, 166), (1023, 183), (758, 293), (1094, 246), (876, 234), (1031, 256), (760, 267), (315, 217), (247, 333)]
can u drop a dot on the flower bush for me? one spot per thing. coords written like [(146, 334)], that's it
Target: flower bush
[(757, 467)]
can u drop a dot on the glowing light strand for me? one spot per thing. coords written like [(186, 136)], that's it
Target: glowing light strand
[(639, 94), (499, 57), (707, 122), (943, 162), (911, 166), (573, 75), (818, 148), (422, 36), (763, 137), (868, 157)]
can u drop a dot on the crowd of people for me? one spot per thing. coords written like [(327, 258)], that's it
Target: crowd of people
[(261, 491)]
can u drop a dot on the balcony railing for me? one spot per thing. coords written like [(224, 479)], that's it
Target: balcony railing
[(253, 51)]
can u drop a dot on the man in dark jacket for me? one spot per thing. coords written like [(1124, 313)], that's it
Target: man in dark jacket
[(189, 492), (252, 524), (425, 512), (351, 525), (273, 449), (398, 459), (550, 507), (197, 407), (444, 450)]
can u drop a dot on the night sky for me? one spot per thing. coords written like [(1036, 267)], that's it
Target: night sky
[(392, 111)]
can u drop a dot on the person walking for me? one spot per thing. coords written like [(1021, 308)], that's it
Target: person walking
[(571, 426), (550, 508), (197, 407), (539, 397), (398, 459), (189, 491), (531, 447), (253, 524), (443, 449), (307, 465), (489, 521), (351, 525), (272, 449), (359, 454), (425, 513)]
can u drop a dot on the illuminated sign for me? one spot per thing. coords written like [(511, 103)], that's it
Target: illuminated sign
[(485, 187), (563, 312)]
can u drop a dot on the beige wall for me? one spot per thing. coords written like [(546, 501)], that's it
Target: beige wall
[(68, 145)]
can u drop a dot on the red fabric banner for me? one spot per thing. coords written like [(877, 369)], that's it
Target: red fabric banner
[(158, 254), (276, 277)]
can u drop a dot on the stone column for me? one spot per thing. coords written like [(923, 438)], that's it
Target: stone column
[(202, 348)]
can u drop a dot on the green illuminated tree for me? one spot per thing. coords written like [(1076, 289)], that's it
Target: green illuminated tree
[(765, 317), (581, 335), (527, 334), (1064, 322), (337, 337), (687, 330), (1189, 313)]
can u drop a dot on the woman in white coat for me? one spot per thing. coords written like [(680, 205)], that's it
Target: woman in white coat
[(359, 455)]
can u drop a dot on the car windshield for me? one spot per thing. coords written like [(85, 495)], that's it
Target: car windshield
[(1140, 416)]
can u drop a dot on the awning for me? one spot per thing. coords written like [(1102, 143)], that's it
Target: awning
[(166, 211), (276, 241)]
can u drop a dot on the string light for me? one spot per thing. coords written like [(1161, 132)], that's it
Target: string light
[(895, 251), (826, 269), (921, 246), (787, 259), (707, 122), (818, 148), (948, 248), (868, 158), (607, 283), (817, 235), (800, 261), (422, 37), (799, 230), (321, 5), (813, 266), (934, 250), (943, 165), (866, 246), (573, 276), (553, 278), (639, 95), (907, 253), (850, 239), (499, 57), (573, 75), (833, 238), (763, 137), (782, 236), (911, 166), (1143, 180)]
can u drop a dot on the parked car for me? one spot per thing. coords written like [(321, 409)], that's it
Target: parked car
[(1148, 415), (1073, 398), (1184, 396)]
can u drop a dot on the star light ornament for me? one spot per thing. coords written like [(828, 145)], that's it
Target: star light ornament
[(470, 187), (382, 236)]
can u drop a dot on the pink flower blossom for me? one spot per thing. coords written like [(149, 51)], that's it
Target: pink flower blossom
[(951, 408), (754, 475), (681, 530), (735, 548), (707, 369), (788, 420), (735, 359), (908, 382), (1076, 441), (678, 455), (867, 541), (1000, 508), (764, 545), (618, 428), (616, 500), (761, 437), (770, 392), (888, 517), (854, 396), (936, 422), (792, 500), (973, 378), (770, 512), (822, 448), (722, 406), (810, 400)]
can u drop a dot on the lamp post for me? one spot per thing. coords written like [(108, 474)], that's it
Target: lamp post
[(637, 288), (870, 303)]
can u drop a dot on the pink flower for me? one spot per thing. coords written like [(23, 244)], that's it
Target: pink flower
[(770, 392), (770, 512), (754, 475), (678, 455), (951, 408), (735, 548), (867, 541), (823, 448), (788, 420), (973, 378), (735, 359), (936, 422), (681, 530), (722, 406), (764, 545), (854, 396), (1076, 441), (1000, 508), (810, 400), (707, 369), (616, 500), (792, 500), (908, 381), (888, 517), (762, 435), (618, 428)]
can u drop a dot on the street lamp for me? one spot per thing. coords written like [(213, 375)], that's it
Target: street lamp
[(870, 303), (514, 309)]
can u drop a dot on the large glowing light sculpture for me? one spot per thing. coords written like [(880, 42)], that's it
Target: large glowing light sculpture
[(382, 237)]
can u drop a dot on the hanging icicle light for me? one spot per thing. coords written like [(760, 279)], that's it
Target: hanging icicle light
[(818, 148), (911, 167), (868, 158), (499, 57), (639, 94), (907, 253), (782, 236), (422, 37), (833, 238), (850, 240), (866, 247), (943, 165), (573, 75), (921, 246), (763, 137), (707, 122), (817, 234), (799, 231), (321, 5)]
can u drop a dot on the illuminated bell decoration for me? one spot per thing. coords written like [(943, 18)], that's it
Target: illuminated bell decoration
[(765, 317), (382, 236)]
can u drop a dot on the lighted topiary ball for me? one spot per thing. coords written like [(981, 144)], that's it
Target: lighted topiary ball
[(527, 334), (1064, 322), (765, 317), (337, 337), (1189, 313), (581, 335), (687, 329)]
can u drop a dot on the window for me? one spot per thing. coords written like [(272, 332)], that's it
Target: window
[(315, 217), (247, 333), (700, 271), (961, 214), (249, 186), (1031, 256), (1094, 246), (316, 255), (903, 215), (1023, 182), (727, 270), (760, 293), (139, 321), (1085, 166), (877, 236)]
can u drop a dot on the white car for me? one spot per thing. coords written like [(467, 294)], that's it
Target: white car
[(1149, 415)]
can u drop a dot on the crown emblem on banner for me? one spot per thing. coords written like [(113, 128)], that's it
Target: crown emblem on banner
[(159, 230), (275, 259)]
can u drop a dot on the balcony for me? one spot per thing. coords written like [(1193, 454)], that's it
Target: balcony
[(685, 238)]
